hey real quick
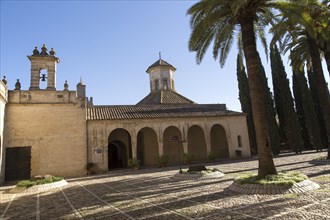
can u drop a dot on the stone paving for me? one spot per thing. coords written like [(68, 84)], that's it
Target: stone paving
[(155, 194)]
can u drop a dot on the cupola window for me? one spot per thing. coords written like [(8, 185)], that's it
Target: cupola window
[(156, 84)]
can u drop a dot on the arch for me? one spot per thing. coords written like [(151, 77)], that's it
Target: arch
[(147, 147), (119, 148), (43, 81), (219, 143), (172, 148), (196, 143)]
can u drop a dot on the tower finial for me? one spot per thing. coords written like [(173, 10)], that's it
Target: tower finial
[(160, 55)]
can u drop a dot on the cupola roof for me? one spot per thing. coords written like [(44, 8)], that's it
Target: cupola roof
[(162, 63)]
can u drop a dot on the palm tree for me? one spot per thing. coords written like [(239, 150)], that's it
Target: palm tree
[(322, 23), (218, 21)]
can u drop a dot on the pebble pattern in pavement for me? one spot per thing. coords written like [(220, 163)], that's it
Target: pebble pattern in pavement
[(155, 194)]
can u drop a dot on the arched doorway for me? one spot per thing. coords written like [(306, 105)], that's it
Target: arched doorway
[(196, 143), (171, 148), (117, 155), (147, 147), (219, 143), (119, 148)]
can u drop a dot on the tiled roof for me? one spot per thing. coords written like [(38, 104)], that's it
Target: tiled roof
[(112, 112), (160, 62), (164, 97)]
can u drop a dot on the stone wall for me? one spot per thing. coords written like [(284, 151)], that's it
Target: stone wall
[(3, 102), (53, 123), (234, 126)]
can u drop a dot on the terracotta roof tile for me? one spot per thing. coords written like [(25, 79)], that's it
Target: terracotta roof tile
[(113, 112), (164, 97)]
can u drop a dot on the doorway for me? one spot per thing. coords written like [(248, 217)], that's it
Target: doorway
[(117, 155), (18, 163)]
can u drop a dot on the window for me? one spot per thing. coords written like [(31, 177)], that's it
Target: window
[(156, 84), (165, 84), (239, 140)]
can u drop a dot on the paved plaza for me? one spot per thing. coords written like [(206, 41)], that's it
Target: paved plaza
[(155, 194)]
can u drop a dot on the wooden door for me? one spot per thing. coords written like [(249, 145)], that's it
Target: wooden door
[(18, 163)]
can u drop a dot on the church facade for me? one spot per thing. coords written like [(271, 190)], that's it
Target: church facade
[(61, 132)]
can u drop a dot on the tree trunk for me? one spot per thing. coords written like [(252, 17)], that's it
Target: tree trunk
[(266, 163), (327, 59), (322, 89), (245, 99)]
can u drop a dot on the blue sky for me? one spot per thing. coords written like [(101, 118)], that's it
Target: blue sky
[(110, 44)]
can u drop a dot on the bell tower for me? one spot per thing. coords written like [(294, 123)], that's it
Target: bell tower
[(40, 61)]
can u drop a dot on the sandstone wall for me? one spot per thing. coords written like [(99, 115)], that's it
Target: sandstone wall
[(3, 101), (53, 123), (234, 126)]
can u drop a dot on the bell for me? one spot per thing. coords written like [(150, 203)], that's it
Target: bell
[(43, 77)]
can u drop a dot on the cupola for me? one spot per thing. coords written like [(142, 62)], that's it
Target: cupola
[(161, 76)]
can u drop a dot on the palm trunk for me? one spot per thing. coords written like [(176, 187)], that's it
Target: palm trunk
[(266, 163), (322, 89), (327, 59)]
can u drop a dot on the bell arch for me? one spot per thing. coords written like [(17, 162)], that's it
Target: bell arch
[(219, 143), (172, 149), (147, 147), (119, 148), (196, 143), (43, 63)]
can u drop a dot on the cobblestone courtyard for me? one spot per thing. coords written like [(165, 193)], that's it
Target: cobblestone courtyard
[(154, 194)]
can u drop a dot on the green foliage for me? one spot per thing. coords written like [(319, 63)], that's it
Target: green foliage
[(212, 156), (188, 158), (288, 119), (30, 183), (306, 112), (273, 132), (318, 109), (162, 160), (321, 158), (217, 23), (133, 163), (203, 172), (291, 196), (281, 179), (245, 99)]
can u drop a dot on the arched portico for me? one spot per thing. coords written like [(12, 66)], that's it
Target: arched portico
[(147, 147), (196, 143), (219, 143), (172, 148), (119, 148)]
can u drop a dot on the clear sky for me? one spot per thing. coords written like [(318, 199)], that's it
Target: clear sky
[(110, 44)]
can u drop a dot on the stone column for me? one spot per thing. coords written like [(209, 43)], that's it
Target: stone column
[(160, 141), (185, 147), (35, 77), (134, 144), (51, 78), (160, 148), (184, 132), (207, 133)]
